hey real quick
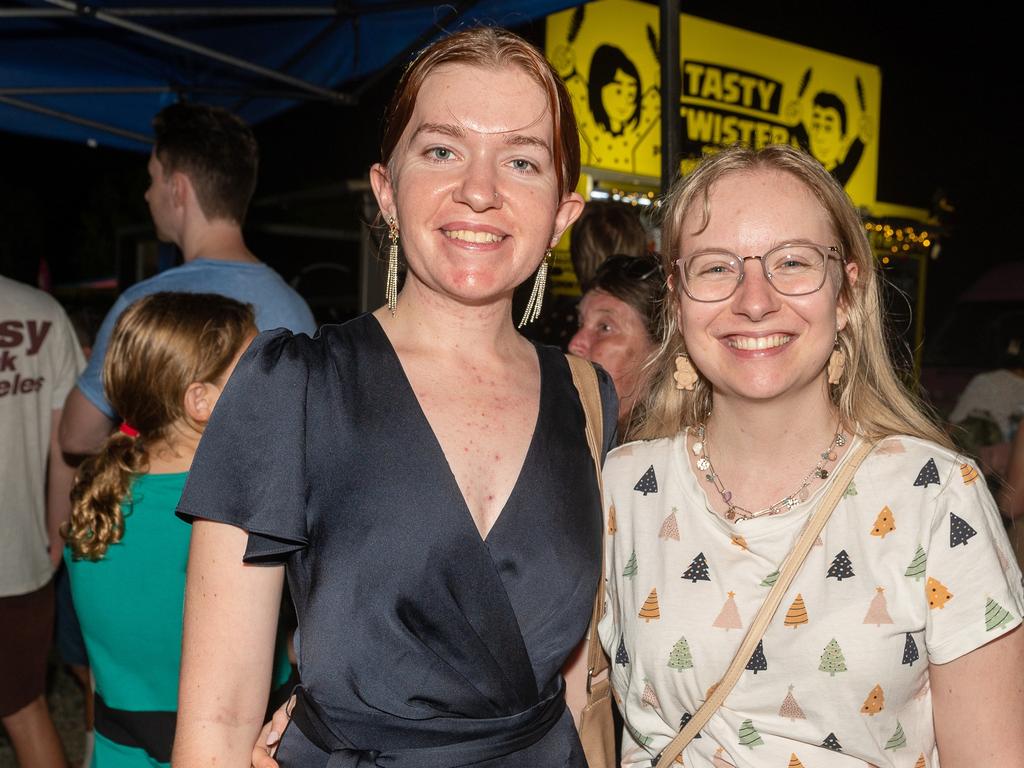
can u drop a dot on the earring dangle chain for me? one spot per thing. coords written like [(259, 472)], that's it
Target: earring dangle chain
[(537, 294), (391, 287)]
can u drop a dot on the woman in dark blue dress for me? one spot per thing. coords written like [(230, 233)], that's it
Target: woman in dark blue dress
[(421, 473)]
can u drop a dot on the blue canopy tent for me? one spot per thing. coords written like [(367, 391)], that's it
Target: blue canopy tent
[(98, 73)]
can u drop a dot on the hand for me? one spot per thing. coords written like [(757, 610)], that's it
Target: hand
[(266, 743)]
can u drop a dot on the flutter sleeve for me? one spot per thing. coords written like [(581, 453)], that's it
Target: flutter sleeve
[(249, 469)]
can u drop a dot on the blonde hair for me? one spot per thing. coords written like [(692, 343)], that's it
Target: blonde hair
[(870, 395), (159, 346)]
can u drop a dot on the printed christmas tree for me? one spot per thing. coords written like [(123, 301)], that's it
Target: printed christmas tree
[(670, 528), (929, 475), (770, 579), (884, 523), (937, 593), (794, 761), (968, 474), (612, 527), (910, 653), (679, 657), (917, 566), (729, 616), (648, 483), (790, 708), (749, 737), (698, 570), (996, 615), (650, 608), (621, 656), (878, 613), (717, 761), (831, 742), (797, 613), (921, 763), (740, 542), (959, 530), (649, 697), (898, 739), (841, 567), (851, 489), (875, 702), (757, 663), (630, 570), (687, 717), (832, 659)]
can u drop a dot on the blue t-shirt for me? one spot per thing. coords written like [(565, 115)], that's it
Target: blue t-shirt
[(277, 305)]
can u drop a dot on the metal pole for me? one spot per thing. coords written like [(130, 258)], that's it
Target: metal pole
[(201, 50), (671, 91), (76, 120)]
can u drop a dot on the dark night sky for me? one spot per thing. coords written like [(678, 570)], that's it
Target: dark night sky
[(946, 123)]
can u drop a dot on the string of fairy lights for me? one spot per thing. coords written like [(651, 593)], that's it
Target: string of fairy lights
[(888, 240)]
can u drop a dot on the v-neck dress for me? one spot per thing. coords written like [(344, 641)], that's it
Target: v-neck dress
[(419, 642)]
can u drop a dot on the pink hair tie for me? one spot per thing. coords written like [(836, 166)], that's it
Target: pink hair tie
[(128, 429)]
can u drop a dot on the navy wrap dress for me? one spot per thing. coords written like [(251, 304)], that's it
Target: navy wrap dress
[(420, 643)]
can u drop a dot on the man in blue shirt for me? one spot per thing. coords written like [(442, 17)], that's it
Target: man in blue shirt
[(202, 177)]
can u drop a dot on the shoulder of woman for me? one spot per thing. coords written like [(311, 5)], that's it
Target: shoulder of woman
[(921, 465)]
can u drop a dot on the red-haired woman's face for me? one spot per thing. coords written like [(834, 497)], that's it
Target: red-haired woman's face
[(473, 186)]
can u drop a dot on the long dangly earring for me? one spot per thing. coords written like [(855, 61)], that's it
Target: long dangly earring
[(391, 287), (537, 294), (686, 375), (836, 363)]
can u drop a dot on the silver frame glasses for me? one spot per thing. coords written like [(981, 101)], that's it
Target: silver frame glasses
[(827, 252)]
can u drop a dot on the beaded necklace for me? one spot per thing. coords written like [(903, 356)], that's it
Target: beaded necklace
[(736, 513)]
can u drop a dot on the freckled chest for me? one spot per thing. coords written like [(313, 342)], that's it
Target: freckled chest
[(484, 424)]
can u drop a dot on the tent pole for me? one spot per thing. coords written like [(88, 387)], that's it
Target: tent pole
[(671, 89), (201, 50), (76, 120)]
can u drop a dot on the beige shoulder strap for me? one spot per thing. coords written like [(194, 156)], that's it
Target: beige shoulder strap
[(585, 378)]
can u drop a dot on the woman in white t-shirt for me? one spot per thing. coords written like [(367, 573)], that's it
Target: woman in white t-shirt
[(899, 639)]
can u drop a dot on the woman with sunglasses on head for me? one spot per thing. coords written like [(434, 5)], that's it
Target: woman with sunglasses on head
[(619, 317), (898, 640), (421, 472)]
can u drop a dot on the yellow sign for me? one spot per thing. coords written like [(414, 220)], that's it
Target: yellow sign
[(737, 86)]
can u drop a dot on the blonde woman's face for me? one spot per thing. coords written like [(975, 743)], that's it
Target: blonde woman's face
[(760, 345)]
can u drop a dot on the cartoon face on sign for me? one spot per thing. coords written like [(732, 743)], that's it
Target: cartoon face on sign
[(615, 112)]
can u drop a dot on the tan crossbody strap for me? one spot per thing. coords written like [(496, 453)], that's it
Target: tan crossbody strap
[(585, 378), (767, 611)]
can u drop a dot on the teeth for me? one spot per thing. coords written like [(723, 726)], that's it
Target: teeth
[(472, 237), (761, 342)]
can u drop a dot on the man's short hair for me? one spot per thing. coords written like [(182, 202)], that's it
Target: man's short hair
[(216, 150)]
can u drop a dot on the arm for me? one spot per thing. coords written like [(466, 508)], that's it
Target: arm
[(59, 477), (1011, 494), (575, 673), (227, 649), (83, 427), (978, 704)]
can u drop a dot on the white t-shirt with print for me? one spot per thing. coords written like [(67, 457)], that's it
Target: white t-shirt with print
[(913, 567)]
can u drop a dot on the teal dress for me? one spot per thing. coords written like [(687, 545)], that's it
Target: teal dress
[(130, 608)]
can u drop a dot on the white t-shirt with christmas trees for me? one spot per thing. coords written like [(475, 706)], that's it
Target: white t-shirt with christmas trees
[(913, 567)]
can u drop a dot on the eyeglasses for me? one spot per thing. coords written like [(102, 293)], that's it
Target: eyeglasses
[(792, 270)]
